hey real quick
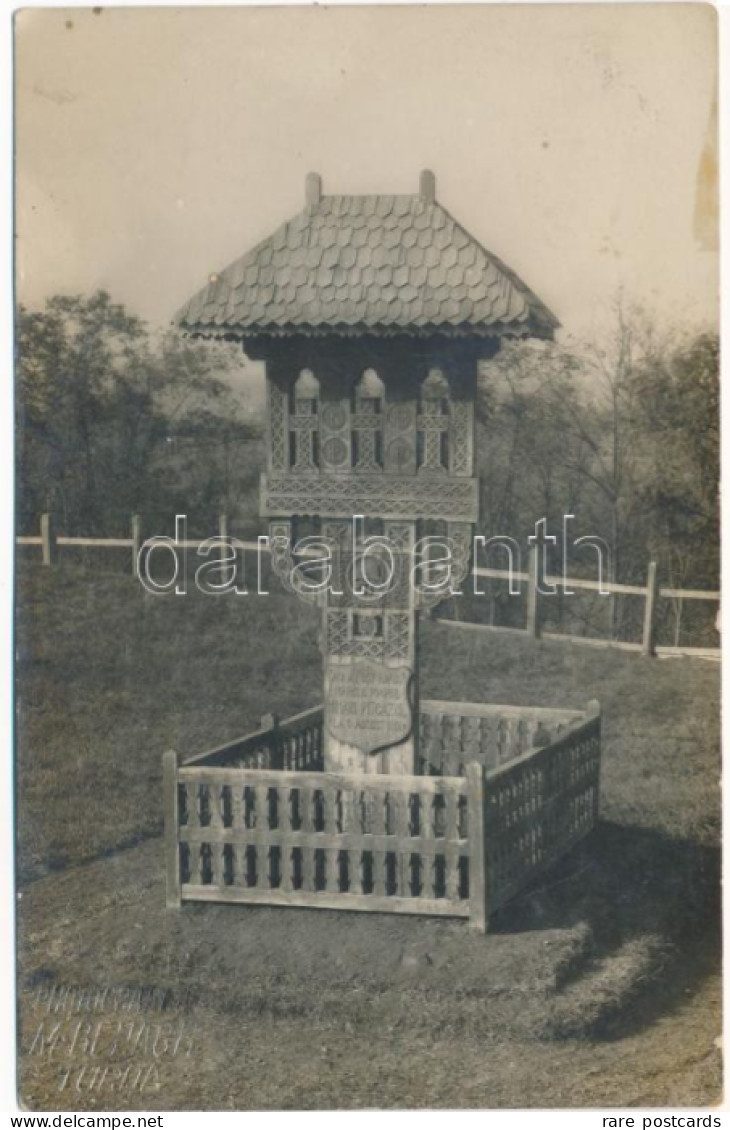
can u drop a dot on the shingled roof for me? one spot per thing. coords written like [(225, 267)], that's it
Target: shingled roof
[(367, 264)]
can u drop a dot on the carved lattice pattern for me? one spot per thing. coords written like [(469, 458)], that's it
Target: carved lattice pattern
[(461, 438), (278, 428), (385, 496)]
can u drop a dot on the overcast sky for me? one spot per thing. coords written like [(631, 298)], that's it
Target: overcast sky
[(155, 146)]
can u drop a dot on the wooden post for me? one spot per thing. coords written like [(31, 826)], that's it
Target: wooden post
[(478, 871), (533, 612), (136, 544), (652, 592), (172, 849), (48, 538)]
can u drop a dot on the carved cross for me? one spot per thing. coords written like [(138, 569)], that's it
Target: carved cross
[(432, 423)]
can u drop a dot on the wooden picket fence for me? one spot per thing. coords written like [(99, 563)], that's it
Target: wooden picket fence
[(258, 821), (651, 592), (49, 542)]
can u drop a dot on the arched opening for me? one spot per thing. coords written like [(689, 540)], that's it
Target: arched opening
[(304, 423), (433, 422)]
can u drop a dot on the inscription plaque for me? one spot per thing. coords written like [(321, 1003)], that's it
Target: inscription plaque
[(368, 704)]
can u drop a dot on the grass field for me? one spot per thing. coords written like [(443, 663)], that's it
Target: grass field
[(598, 986)]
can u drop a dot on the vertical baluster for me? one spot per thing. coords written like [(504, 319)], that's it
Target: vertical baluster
[(450, 743), (173, 794), (445, 742), (352, 826), (192, 790), (331, 859), (215, 809), (238, 831), (400, 828), (424, 723), (490, 742), (471, 744), (428, 862), (379, 828), (195, 863), (306, 801), (434, 751), (286, 860), (261, 838), (483, 741), (502, 741), (451, 835)]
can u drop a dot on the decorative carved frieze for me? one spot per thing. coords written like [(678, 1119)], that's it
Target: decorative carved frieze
[(278, 428), (461, 438)]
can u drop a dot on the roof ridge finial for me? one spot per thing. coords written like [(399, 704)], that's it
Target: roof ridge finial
[(427, 187), (313, 190)]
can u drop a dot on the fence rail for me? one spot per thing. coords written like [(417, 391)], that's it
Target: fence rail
[(455, 845), (50, 541)]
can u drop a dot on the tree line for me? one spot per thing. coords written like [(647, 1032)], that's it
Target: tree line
[(112, 419), (622, 432)]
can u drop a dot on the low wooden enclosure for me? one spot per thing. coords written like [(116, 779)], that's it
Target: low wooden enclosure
[(503, 792)]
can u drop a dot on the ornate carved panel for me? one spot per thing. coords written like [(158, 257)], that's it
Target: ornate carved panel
[(433, 422), (304, 423), (386, 496), (460, 539), (347, 635), (278, 428), (368, 706), (461, 438), (367, 426), (335, 437), (400, 437), (283, 562)]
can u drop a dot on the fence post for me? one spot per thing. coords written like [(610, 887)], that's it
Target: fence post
[(478, 872), (48, 538), (652, 592), (593, 710), (172, 850), (223, 533), (533, 612), (136, 544)]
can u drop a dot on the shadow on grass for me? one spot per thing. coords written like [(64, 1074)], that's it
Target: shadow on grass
[(652, 905)]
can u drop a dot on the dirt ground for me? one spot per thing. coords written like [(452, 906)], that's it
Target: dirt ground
[(256, 1011)]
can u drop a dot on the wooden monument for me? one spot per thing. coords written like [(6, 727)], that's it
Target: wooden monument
[(372, 314)]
